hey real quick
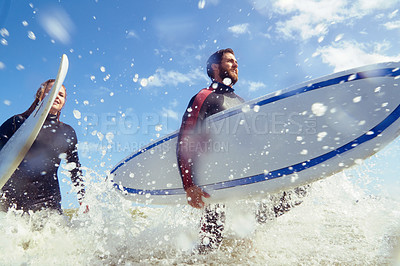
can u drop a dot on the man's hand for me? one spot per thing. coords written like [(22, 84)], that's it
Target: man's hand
[(86, 208), (194, 196)]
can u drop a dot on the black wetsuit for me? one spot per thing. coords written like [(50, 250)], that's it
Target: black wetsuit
[(216, 98), (34, 185)]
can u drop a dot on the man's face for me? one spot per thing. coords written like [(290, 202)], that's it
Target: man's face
[(228, 69)]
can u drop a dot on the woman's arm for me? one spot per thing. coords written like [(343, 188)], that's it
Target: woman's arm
[(74, 166), (8, 128)]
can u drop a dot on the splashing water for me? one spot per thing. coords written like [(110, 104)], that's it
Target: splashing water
[(338, 222)]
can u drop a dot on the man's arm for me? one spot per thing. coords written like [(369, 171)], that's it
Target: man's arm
[(186, 157), (186, 152)]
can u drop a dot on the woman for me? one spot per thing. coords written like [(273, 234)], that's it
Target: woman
[(34, 185)]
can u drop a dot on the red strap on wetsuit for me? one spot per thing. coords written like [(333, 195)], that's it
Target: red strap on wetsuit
[(191, 121), (189, 124)]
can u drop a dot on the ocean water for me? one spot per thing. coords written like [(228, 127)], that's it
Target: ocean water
[(341, 221)]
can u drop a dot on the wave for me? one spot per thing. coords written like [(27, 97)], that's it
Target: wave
[(338, 222)]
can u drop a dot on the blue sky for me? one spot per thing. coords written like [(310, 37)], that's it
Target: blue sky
[(134, 65)]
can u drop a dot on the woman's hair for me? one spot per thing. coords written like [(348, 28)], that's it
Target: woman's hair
[(40, 94)]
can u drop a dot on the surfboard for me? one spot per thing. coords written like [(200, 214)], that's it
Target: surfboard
[(282, 140), (19, 144)]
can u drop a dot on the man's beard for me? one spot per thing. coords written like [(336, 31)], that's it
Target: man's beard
[(227, 77)]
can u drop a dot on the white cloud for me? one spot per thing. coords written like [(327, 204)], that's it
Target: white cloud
[(169, 113), (313, 18), (164, 78), (368, 6), (255, 86), (392, 25), (131, 34), (348, 54), (240, 29), (306, 18)]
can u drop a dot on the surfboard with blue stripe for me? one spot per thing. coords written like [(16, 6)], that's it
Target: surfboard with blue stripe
[(276, 142)]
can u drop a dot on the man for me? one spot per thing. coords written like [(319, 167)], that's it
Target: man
[(222, 68)]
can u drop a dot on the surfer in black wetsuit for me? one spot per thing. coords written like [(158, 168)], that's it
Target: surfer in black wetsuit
[(222, 68), (34, 185)]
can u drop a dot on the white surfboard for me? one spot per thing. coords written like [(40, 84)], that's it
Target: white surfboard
[(276, 142), (19, 144)]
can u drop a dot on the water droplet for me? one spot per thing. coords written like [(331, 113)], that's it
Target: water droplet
[(77, 114), (318, 109), (31, 35), (357, 99)]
